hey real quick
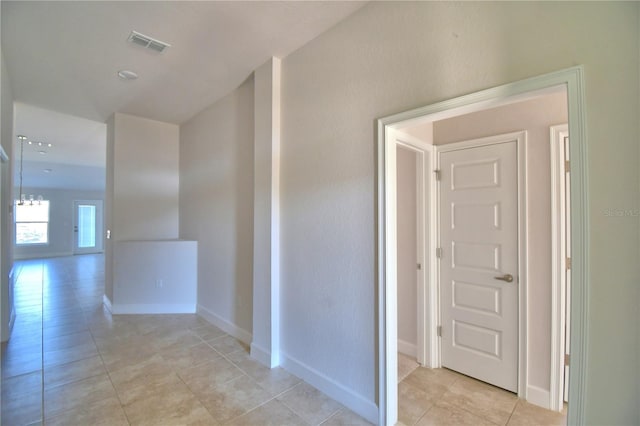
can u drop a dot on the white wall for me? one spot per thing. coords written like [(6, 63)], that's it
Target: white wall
[(61, 217), (216, 199), (407, 253), (536, 117), (155, 277), (391, 57), (265, 345), (6, 202), (146, 179), (142, 189), (108, 208)]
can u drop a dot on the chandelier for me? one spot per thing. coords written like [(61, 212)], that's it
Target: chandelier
[(23, 198)]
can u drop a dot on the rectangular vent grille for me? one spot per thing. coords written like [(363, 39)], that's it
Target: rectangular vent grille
[(147, 42)]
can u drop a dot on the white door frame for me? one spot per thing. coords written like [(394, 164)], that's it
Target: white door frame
[(573, 80), (558, 264), (520, 138), (425, 189)]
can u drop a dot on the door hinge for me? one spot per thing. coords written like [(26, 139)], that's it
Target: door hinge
[(439, 252), (568, 263), (567, 359), (567, 166), (439, 331), (419, 266), (437, 173)]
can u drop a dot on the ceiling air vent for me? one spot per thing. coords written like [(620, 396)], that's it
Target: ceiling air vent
[(147, 42)]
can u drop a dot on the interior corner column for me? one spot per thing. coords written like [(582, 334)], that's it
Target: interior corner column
[(266, 220)]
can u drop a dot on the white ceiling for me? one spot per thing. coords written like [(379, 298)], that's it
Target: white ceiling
[(76, 158), (63, 57)]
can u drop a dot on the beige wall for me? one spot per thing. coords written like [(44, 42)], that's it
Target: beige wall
[(145, 179), (535, 116), (141, 194), (407, 244), (216, 198), (391, 57)]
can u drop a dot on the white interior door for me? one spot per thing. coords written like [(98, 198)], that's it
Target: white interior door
[(87, 227), (479, 262)]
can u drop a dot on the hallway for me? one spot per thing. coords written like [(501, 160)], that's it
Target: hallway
[(135, 369), (177, 369)]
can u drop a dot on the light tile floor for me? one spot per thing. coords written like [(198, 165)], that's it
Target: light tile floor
[(444, 397), (69, 362)]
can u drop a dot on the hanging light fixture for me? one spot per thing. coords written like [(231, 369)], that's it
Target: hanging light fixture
[(23, 197)]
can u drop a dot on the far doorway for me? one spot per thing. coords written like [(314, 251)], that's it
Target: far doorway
[(456, 327), (87, 227), (570, 80)]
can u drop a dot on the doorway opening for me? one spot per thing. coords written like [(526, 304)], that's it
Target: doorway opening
[(569, 82)]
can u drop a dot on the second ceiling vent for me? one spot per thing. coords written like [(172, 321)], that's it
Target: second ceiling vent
[(147, 42)]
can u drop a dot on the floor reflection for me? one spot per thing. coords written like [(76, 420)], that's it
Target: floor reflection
[(51, 300)]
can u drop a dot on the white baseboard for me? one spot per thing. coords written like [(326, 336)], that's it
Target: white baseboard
[(407, 348), (335, 390), (134, 308), (228, 327), (263, 356), (538, 396), (107, 303)]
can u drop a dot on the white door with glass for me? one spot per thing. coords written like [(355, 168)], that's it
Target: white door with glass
[(87, 227), (479, 262)]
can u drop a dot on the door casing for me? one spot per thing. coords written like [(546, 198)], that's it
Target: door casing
[(558, 264), (571, 79), (426, 337)]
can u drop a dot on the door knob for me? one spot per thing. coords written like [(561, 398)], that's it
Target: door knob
[(506, 277)]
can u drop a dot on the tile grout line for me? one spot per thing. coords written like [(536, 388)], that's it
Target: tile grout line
[(78, 380), (299, 415), (340, 410), (222, 356), (192, 392), (272, 398), (465, 409), (512, 411), (42, 405), (109, 376), (94, 323)]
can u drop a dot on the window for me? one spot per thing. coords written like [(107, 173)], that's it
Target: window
[(32, 223)]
